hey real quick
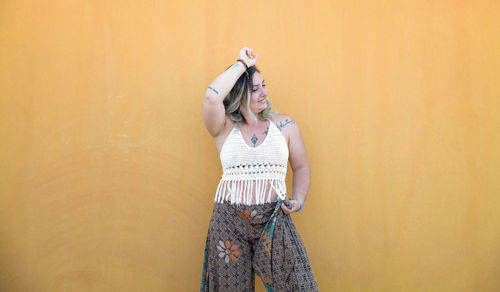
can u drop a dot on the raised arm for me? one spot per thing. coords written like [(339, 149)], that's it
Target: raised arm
[(213, 106)]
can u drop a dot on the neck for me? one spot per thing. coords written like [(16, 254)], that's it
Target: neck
[(248, 121)]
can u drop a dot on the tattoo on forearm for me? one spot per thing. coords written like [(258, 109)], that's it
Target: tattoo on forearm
[(286, 122), (254, 139), (210, 87)]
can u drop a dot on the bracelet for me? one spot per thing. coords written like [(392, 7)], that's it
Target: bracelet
[(246, 67)]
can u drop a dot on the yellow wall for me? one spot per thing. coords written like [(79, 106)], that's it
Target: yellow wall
[(107, 173)]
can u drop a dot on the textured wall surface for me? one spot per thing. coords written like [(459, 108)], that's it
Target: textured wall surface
[(107, 174)]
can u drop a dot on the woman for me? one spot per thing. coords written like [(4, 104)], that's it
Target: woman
[(251, 230)]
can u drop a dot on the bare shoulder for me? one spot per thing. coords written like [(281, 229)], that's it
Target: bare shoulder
[(284, 122), (286, 125)]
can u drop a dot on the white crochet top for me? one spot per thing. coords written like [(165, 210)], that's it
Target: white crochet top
[(253, 172)]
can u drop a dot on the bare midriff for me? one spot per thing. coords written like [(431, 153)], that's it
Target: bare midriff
[(273, 196)]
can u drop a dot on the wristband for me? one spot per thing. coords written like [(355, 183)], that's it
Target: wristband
[(246, 67)]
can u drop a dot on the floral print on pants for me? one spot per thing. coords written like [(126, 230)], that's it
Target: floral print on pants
[(244, 240)]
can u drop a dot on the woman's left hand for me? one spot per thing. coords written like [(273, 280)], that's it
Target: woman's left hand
[(295, 207)]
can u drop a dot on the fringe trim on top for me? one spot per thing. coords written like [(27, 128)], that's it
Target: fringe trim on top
[(241, 190)]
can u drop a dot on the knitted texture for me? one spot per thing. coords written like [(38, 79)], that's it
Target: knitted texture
[(250, 174)]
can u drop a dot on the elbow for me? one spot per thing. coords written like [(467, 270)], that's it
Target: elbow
[(209, 95), (213, 97), (210, 98), (213, 93), (303, 168)]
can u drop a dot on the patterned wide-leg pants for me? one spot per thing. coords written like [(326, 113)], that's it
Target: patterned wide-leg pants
[(260, 239)]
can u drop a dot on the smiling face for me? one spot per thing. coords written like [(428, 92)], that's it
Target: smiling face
[(258, 97)]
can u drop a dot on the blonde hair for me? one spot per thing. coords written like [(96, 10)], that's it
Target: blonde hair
[(232, 102)]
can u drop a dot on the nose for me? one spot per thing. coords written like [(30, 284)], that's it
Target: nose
[(263, 92)]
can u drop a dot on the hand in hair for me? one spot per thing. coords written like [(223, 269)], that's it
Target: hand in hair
[(247, 55)]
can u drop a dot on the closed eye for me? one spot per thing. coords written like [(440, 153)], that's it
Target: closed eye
[(263, 85)]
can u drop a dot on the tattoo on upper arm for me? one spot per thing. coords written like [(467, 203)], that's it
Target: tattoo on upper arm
[(285, 123), (211, 88)]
